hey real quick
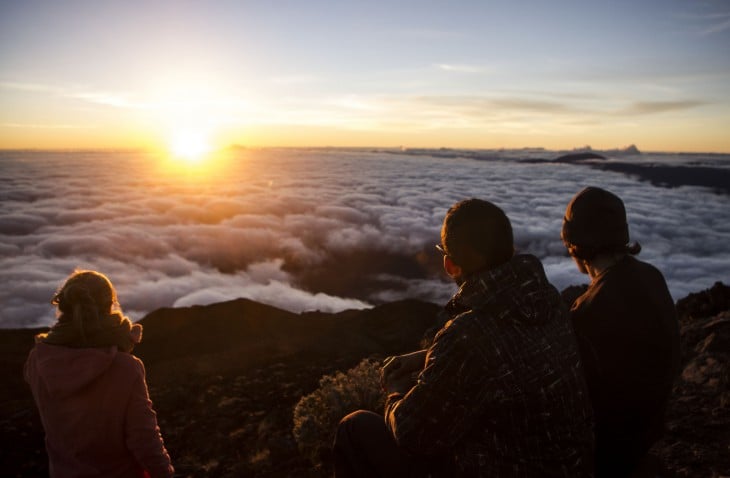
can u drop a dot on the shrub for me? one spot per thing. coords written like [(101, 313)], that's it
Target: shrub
[(316, 415)]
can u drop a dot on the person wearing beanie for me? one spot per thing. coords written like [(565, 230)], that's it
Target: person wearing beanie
[(627, 332), (91, 392), (499, 392)]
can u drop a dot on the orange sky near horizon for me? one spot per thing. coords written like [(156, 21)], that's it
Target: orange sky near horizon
[(670, 140), (100, 75)]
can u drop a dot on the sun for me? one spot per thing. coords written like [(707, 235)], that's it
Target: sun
[(189, 145)]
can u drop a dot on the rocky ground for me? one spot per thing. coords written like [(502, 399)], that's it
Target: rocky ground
[(697, 441), (225, 378)]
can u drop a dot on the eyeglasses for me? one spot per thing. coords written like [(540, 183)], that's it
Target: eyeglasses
[(441, 249)]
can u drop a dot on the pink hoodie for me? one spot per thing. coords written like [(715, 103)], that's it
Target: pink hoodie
[(96, 412)]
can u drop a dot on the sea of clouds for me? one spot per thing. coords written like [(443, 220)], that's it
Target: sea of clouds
[(307, 229)]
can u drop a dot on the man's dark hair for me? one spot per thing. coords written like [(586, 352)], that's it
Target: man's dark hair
[(477, 234)]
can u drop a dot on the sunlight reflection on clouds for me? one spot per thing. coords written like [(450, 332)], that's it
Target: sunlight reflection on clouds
[(307, 229)]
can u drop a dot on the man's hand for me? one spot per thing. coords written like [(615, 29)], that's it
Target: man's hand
[(399, 373)]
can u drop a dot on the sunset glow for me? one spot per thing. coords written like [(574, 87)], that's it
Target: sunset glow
[(654, 74), (190, 145)]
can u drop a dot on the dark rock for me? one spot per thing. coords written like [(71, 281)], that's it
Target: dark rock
[(661, 175), (698, 415), (707, 303), (576, 157)]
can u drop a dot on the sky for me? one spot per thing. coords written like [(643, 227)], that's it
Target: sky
[(194, 75)]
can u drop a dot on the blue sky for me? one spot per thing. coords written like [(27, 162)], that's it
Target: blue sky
[(463, 74)]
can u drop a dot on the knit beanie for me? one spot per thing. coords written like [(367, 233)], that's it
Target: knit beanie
[(595, 218)]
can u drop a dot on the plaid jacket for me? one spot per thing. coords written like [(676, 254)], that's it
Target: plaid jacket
[(502, 392)]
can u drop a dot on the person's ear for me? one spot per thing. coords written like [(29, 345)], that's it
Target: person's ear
[(454, 271)]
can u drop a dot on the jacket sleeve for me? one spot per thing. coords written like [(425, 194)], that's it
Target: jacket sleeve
[(452, 390), (143, 435)]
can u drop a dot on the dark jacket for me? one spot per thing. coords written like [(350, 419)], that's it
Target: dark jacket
[(502, 393), (629, 341)]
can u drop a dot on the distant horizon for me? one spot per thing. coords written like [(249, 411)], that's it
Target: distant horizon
[(404, 147)]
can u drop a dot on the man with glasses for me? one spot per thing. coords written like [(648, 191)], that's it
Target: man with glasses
[(499, 392)]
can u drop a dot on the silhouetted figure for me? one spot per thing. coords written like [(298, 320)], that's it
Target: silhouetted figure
[(90, 391), (627, 332), (499, 392)]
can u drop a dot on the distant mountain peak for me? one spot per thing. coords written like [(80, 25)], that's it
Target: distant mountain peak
[(627, 150)]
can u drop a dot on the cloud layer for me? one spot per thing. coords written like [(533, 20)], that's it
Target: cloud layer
[(306, 229)]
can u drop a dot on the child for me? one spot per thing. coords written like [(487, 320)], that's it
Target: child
[(90, 391)]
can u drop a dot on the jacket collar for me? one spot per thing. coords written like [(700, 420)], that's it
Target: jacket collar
[(520, 282)]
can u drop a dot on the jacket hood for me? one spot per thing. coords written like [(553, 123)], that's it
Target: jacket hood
[(65, 370), (520, 285)]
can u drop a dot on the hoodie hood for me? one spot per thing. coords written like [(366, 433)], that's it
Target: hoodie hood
[(520, 285), (65, 370)]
